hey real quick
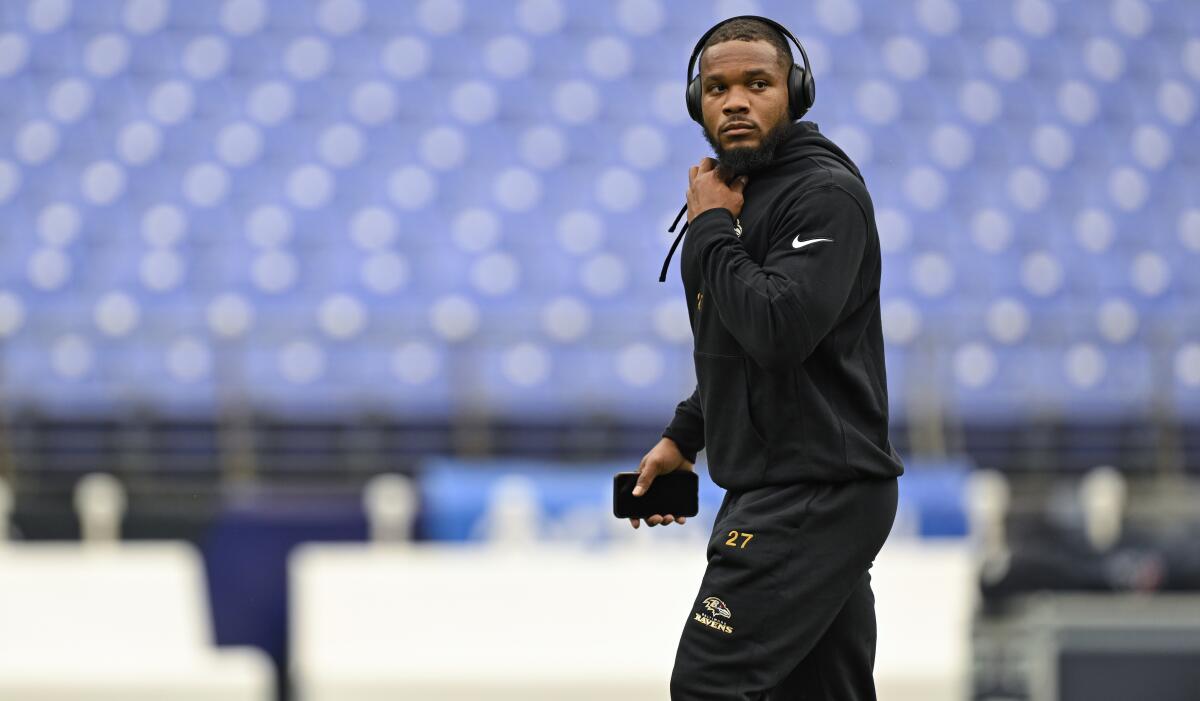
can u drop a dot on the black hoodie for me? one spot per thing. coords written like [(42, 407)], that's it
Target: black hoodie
[(784, 307)]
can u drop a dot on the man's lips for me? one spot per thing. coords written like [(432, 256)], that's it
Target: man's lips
[(738, 128)]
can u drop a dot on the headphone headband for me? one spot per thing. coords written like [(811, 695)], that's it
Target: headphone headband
[(767, 20)]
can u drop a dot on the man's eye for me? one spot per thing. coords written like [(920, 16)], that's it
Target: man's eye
[(715, 88), (760, 83)]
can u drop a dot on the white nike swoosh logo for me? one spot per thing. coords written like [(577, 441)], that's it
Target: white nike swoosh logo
[(797, 243)]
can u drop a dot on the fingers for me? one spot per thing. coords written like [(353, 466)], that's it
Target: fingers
[(661, 520), (706, 165), (635, 522), (699, 176), (645, 478)]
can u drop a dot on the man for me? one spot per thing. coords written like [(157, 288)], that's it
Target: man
[(781, 270)]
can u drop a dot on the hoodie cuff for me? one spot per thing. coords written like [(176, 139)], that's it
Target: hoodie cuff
[(686, 449), (712, 222)]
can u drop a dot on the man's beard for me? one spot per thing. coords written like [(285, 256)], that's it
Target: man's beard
[(742, 160)]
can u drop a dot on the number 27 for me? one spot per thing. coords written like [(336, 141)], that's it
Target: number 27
[(733, 536)]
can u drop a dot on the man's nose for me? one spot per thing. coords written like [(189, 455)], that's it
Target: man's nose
[(735, 102)]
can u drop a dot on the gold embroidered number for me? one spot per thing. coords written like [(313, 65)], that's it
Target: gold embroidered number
[(734, 535)]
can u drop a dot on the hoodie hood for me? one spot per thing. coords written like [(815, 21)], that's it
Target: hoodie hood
[(802, 141)]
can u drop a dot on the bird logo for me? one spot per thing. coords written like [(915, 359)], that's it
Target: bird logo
[(717, 607)]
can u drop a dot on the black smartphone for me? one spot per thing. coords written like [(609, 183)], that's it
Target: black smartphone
[(676, 493)]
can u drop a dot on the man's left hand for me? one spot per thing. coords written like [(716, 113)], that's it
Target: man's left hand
[(707, 190)]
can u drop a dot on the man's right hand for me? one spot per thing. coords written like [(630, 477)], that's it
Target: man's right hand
[(662, 458)]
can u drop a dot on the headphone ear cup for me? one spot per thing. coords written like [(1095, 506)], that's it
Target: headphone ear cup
[(800, 91), (810, 90), (695, 111)]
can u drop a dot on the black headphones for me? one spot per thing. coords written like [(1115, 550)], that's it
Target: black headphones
[(802, 90)]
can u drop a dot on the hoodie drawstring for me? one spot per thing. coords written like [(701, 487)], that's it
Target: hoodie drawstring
[(663, 275)]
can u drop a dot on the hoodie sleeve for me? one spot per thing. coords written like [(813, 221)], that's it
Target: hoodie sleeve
[(779, 311), (687, 428)]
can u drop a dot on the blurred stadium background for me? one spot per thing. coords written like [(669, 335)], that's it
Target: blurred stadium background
[(279, 278)]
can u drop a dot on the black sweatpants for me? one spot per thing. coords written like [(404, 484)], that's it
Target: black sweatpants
[(785, 610)]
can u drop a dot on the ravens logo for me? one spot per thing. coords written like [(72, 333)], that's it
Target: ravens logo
[(717, 607)]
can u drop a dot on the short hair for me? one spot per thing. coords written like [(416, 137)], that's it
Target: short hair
[(750, 29)]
